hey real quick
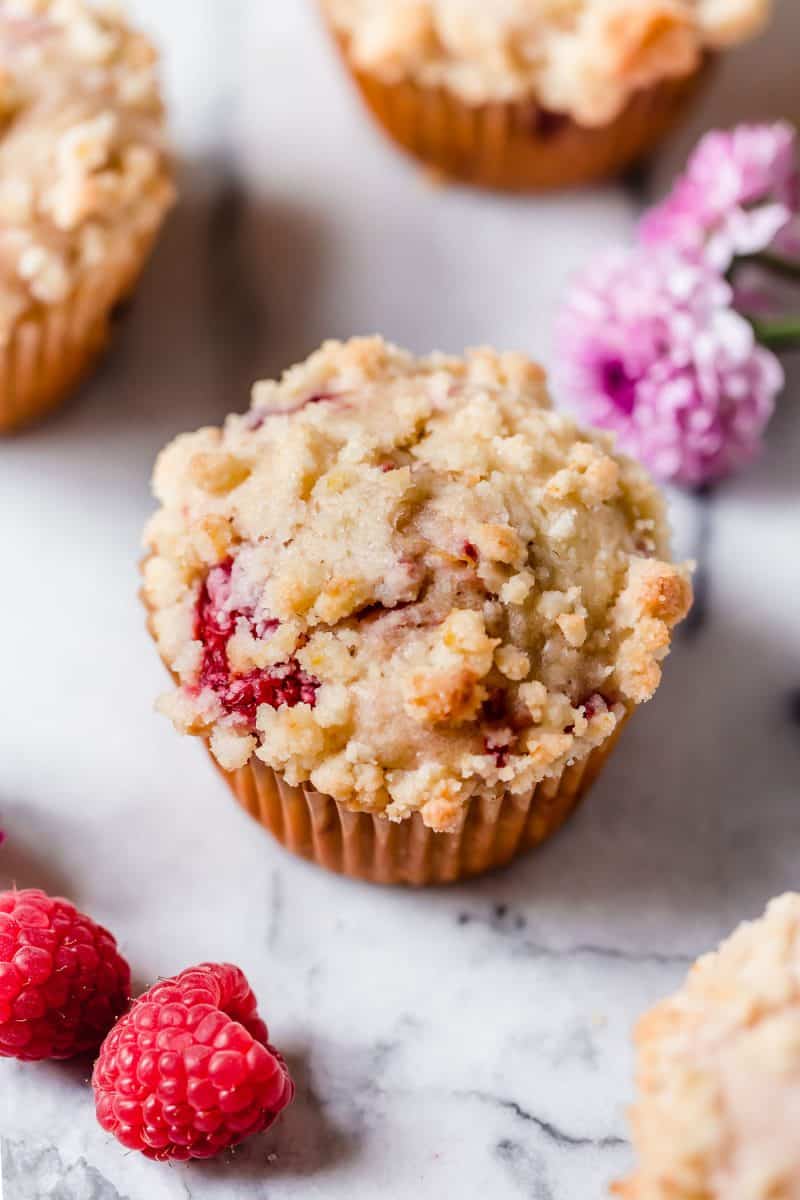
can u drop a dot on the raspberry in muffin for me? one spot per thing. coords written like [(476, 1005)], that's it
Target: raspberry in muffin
[(410, 587), (84, 187), (533, 93), (719, 1073)]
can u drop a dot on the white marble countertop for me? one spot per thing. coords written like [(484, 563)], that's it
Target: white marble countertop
[(471, 1042)]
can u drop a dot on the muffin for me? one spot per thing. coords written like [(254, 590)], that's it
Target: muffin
[(408, 606), (530, 94), (719, 1073), (84, 187)]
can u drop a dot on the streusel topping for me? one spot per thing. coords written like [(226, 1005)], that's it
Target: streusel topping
[(584, 58), (408, 581), (82, 164), (719, 1073)]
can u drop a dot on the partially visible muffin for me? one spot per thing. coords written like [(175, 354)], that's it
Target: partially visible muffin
[(85, 183), (408, 584), (719, 1073), (533, 93)]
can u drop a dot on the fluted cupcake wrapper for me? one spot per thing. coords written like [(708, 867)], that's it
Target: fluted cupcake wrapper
[(517, 145), (48, 352), (370, 847)]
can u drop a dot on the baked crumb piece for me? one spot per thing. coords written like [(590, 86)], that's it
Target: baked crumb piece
[(407, 581), (83, 167), (719, 1073), (582, 58)]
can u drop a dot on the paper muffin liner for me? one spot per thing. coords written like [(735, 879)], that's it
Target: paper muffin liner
[(519, 146), (48, 352), (369, 847)]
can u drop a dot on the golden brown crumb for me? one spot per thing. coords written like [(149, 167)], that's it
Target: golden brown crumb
[(407, 581), (719, 1073), (83, 168), (580, 57)]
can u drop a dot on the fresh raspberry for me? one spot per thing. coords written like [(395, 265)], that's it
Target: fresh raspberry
[(284, 684), (62, 981), (189, 1071)]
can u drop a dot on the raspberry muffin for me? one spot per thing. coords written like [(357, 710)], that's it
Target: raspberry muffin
[(408, 606), (719, 1073), (84, 187), (529, 94)]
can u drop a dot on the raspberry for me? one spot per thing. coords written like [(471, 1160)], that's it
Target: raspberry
[(594, 705), (215, 623), (256, 417), (499, 745), (495, 707), (189, 1071), (62, 981)]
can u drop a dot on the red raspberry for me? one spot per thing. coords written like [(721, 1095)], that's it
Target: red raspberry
[(62, 982), (189, 1071), (285, 684)]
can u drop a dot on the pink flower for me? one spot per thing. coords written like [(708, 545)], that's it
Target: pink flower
[(651, 349), (740, 190), (787, 242)]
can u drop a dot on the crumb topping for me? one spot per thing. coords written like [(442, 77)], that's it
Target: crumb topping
[(584, 58), (719, 1073), (82, 163), (408, 581)]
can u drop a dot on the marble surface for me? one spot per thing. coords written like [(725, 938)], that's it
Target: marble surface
[(464, 1042)]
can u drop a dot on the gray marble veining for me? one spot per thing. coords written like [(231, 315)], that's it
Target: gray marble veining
[(466, 1042), (32, 1170)]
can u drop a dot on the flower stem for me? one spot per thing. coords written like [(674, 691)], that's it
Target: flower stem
[(786, 268), (779, 333)]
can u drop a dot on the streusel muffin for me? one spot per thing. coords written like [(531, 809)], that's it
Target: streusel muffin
[(408, 605), (528, 94), (719, 1073), (84, 187)]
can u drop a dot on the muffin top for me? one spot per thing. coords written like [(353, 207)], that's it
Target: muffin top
[(719, 1073), (82, 166), (583, 58), (408, 581)]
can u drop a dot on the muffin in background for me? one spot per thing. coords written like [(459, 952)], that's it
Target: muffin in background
[(85, 184), (719, 1073), (533, 94), (408, 606)]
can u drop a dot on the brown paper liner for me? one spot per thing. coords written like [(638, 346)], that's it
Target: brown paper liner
[(369, 847), (49, 351), (519, 146)]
